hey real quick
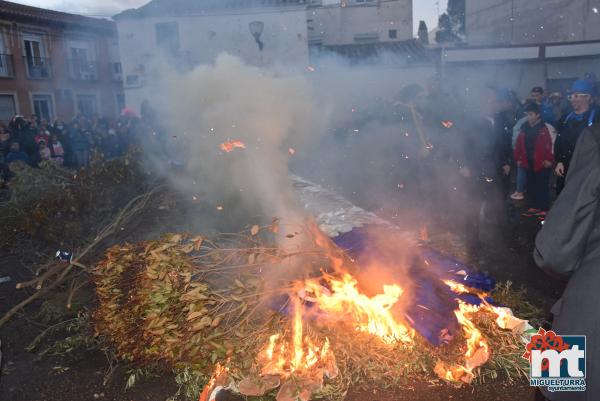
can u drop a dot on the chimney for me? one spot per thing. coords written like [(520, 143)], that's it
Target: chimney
[(423, 34)]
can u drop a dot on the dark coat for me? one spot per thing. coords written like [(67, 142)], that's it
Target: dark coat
[(569, 129), (569, 244)]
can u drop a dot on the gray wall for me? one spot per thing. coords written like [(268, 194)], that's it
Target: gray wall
[(491, 22), (519, 76), (336, 25)]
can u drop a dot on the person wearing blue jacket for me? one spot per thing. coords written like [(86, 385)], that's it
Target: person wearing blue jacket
[(16, 154), (537, 94), (570, 127)]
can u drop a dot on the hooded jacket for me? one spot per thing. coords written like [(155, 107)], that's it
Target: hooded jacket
[(542, 149)]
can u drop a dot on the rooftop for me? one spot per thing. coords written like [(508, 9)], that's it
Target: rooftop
[(23, 13), (408, 52), (187, 7)]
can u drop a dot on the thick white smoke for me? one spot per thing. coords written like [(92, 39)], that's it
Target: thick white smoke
[(230, 101)]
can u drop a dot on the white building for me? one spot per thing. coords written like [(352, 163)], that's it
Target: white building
[(192, 32), (519, 22), (519, 44), (345, 22)]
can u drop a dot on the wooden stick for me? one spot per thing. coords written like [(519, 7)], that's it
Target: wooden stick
[(135, 205)]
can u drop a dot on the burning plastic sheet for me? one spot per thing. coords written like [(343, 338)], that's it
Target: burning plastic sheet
[(432, 304)]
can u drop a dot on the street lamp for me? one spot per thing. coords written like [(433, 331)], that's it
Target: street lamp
[(256, 29)]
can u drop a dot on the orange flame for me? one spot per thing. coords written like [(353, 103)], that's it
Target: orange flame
[(231, 145), (477, 352), (370, 314), (220, 371), (424, 234), (457, 287), (283, 359)]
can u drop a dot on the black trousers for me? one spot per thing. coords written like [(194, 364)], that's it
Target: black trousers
[(539, 188)]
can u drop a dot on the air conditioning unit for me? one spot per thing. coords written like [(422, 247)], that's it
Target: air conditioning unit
[(134, 81)]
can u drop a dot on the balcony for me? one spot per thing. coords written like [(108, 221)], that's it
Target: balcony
[(82, 70), (7, 68), (37, 67)]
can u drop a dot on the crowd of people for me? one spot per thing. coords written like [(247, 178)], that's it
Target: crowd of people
[(498, 142), (33, 141), (530, 140)]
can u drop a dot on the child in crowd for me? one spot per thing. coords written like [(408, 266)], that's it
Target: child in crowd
[(43, 151), (43, 135), (57, 150), (534, 158)]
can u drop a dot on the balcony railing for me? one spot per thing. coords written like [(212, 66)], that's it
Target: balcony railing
[(83, 70), (7, 68), (38, 67)]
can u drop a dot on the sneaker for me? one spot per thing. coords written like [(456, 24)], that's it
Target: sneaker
[(531, 212), (517, 196)]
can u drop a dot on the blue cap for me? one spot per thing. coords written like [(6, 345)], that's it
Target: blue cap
[(504, 95), (583, 86)]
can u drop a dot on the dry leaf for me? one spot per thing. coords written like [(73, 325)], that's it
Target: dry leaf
[(258, 386), (197, 242), (194, 315)]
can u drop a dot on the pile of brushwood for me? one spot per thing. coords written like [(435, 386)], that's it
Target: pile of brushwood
[(184, 304), (53, 207)]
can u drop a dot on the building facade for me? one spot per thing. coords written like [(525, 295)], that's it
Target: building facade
[(185, 33), (346, 22), (518, 44), (56, 65), (521, 22)]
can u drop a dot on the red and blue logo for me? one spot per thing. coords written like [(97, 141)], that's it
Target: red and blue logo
[(556, 362)]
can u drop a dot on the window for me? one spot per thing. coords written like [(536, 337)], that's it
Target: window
[(393, 33), (6, 61), (7, 107), (120, 102), (87, 105), (42, 106), (38, 66), (167, 36), (82, 65), (133, 81), (117, 71)]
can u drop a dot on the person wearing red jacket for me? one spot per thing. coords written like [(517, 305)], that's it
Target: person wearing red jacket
[(533, 152)]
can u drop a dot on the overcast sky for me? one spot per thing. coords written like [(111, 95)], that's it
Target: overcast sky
[(423, 9)]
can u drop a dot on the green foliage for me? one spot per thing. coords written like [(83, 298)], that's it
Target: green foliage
[(190, 382), (519, 301), (136, 375), (74, 334), (451, 24), (52, 203)]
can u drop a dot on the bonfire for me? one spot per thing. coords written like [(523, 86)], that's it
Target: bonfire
[(185, 300)]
